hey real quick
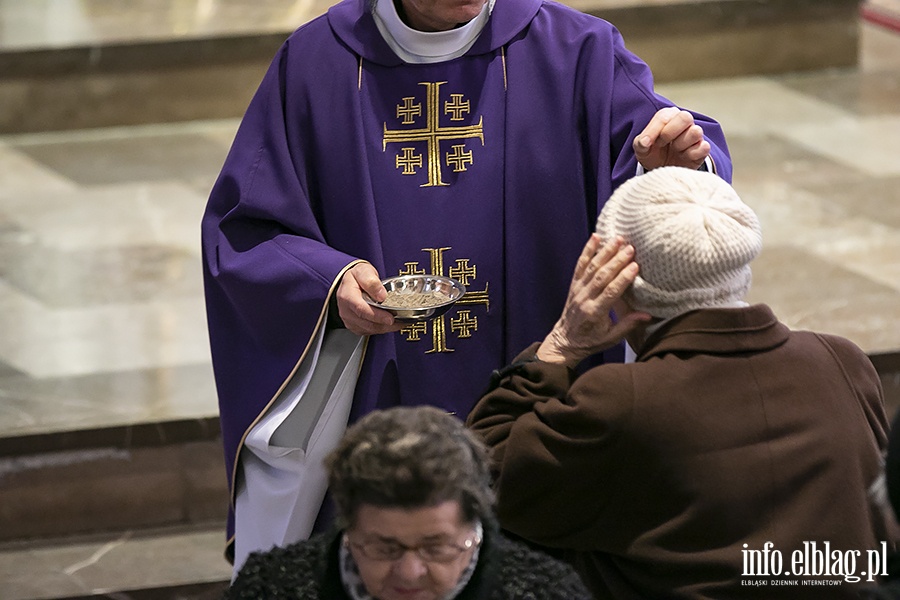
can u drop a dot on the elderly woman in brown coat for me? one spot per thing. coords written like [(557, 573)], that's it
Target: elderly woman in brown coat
[(733, 455)]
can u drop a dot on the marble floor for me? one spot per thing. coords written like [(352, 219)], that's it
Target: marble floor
[(24, 26)]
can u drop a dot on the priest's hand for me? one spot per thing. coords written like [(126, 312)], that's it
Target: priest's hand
[(358, 316), (671, 139), (602, 274)]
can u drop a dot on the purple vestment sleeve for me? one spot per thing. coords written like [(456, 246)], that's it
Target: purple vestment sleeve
[(268, 271), (633, 94)]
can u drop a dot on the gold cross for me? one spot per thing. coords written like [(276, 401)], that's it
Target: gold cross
[(412, 270), (408, 110), (408, 161), (465, 323), (412, 332), (462, 271), (474, 297), (459, 159), (456, 107), (432, 134)]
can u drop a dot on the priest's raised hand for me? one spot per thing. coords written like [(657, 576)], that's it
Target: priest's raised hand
[(671, 139)]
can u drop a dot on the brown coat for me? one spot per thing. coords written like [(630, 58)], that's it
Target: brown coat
[(729, 430)]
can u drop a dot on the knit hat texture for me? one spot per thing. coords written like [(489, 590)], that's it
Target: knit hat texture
[(693, 239)]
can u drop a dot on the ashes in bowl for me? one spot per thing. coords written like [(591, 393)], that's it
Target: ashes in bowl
[(418, 297)]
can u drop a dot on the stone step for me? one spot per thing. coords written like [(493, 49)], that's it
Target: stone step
[(112, 479), (127, 512), (699, 39), (175, 65), (182, 563)]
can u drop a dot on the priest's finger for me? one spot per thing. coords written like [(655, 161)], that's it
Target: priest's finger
[(370, 322), (680, 123), (693, 156), (356, 313), (687, 138), (368, 280), (646, 142)]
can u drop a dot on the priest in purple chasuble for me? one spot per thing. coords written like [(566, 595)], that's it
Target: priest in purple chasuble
[(465, 138)]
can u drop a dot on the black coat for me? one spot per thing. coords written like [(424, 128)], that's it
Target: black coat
[(308, 570)]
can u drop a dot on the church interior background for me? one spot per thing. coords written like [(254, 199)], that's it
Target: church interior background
[(114, 121)]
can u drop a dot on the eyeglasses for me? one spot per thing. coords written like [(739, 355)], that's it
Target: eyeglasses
[(383, 550)]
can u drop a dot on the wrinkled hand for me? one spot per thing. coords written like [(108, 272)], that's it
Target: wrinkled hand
[(672, 139), (602, 274), (358, 316)]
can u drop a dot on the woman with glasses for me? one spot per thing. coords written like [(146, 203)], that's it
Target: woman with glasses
[(412, 490)]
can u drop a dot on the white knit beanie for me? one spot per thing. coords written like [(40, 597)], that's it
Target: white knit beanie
[(693, 239)]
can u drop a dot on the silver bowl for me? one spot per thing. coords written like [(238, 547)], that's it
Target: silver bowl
[(420, 284)]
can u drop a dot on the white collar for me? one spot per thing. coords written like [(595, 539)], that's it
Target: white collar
[(415, 46)]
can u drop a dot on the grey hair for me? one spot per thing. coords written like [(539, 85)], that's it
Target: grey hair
[(410, 457)]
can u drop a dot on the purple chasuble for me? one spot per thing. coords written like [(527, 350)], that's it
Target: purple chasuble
[(490, 168), (436, 174)]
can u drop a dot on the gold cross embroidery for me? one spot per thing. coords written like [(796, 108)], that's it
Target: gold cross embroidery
[(412, 269), (459, 159), (414, 330), (462, 272), (409, 161), (456, 108), (407, 111), (433, 134), (464, 323)]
